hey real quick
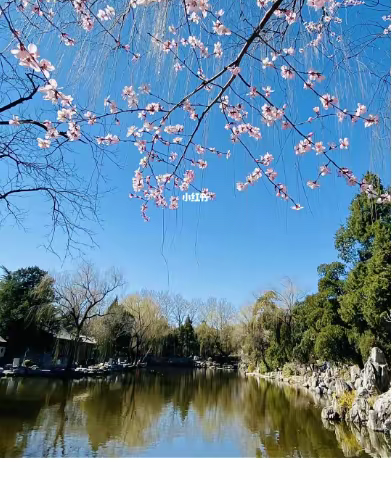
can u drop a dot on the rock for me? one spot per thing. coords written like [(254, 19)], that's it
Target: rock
[(380, 416), (332, 386), (318, 391), (339, 414), (341, 387), (377, 356), (375, 375), (355, 372), (362, 392), (358, 383), (359, 412), (328, 413), (314, 381)]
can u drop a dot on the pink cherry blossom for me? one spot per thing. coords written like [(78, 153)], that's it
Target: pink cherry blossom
[(344, 143), (241, 186), (220, 29), (361, 110), (312, 184), (14, 120), (286, 72), (43, 143), (267, 91), (234, 70), (281, 191), (271, 174), (46, 67), (324, 170), (90, 117), (290, 17), (173, 203), (316, 4), (328, 101), (319, 148), (267, 159), (218, 52), (371, 120), (297, 206)]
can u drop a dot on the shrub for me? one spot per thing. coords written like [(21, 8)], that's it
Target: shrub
[(288, 370), (346, 400), (262, 368)]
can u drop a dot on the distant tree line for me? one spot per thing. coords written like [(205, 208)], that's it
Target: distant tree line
[(35, 307), (349, 314)]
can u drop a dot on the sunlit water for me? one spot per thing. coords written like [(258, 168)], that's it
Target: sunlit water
[(169, 413)]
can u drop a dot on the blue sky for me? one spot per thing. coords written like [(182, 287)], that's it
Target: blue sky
[(240, 243)]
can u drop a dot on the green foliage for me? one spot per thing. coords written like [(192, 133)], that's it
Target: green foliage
[(365, 243), (350, 313), (27, 315), (304, 351), (187, 339), (366, 342), (208, 338), (331, 343), (251, 368), (288, 370)]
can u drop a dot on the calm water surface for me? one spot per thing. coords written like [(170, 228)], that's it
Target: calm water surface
[(169, 413)]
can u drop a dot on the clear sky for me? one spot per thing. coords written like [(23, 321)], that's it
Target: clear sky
[(234, 246), (238, 244)]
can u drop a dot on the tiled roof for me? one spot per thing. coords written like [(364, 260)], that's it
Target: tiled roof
[(63, 335)]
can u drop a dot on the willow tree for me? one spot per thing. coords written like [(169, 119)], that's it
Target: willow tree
[(148, 327), (147, 78)]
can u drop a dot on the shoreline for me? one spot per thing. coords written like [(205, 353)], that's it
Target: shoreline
[(352, 395)]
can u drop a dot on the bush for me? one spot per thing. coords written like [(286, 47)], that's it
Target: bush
[(288, 370), (346, 400), (262, 368), (331, 343)]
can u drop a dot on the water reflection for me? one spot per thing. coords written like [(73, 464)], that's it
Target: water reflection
[(170, 414)]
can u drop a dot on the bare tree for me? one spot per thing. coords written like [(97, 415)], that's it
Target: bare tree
[(83, 296), (222, 317), (175, 307)]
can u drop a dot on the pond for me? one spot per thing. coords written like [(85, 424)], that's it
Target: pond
[(170, 413)]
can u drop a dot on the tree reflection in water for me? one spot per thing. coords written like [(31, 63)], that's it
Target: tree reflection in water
[(171, 413)]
